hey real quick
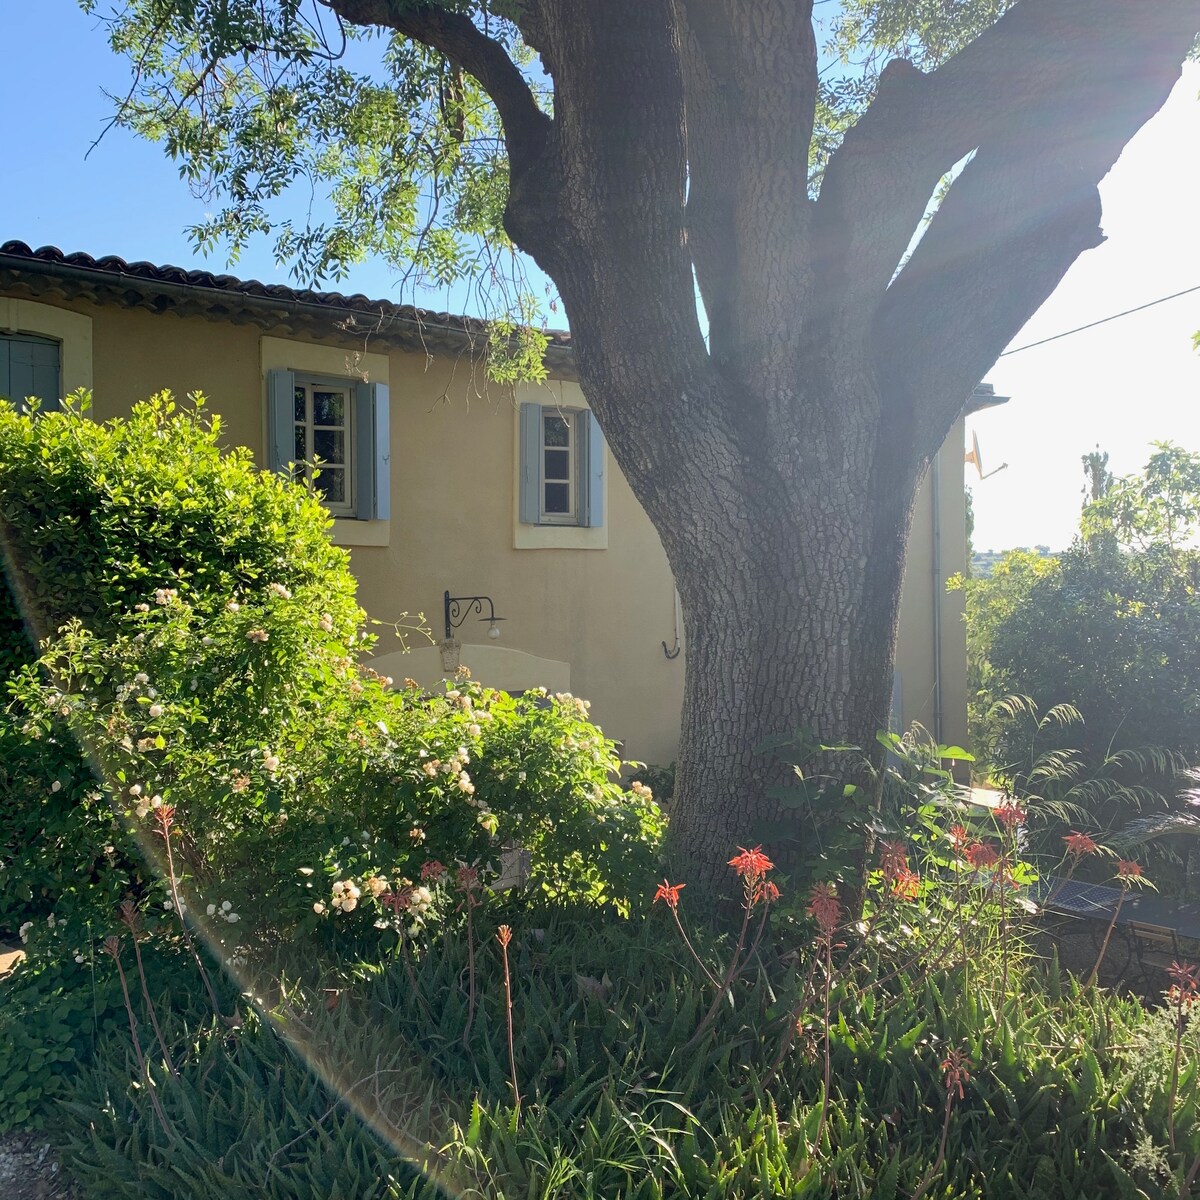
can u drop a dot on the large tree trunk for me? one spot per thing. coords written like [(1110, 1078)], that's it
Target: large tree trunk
[(777, 452), (793, 634)]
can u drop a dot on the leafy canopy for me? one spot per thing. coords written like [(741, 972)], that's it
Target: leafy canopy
[(344, 141)]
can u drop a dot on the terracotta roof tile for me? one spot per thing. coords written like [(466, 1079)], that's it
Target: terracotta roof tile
[(171, 288)]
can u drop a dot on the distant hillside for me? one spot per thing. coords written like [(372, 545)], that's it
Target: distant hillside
[(983, 561)]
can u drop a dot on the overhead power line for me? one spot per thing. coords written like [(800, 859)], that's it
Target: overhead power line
[(1102, 321)]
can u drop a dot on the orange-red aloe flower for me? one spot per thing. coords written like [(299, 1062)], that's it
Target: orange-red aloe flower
[(982, 854), (767, 893), (751, 863), (1010, 814), (1079, 844), (824, 908), (669, 892), (893, 858), (957, 1065), (1128, 869), (959, 837), (1185, 984), (906, 884)]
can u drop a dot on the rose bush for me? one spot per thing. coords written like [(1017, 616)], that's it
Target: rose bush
[(205, 655)]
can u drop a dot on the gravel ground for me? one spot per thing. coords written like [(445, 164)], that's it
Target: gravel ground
[(29, 1170)]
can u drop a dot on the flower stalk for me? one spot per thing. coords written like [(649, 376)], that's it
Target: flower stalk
[(504, 936)]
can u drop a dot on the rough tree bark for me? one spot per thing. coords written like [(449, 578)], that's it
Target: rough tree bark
[(779, 460)]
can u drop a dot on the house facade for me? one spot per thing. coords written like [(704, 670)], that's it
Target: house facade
[(441, 484)]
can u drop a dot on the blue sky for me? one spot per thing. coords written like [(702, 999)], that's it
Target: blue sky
[(1120, 386)]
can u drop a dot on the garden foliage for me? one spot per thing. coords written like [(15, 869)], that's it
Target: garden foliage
[(197, 732), (212, 781), (1112, 625), (919, 1052)]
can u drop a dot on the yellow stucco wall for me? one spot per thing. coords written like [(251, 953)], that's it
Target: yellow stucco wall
[(915, 656), (603, 610)]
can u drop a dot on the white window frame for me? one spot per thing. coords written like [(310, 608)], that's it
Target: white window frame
[(365, 369), (348, 467), (574, 480)]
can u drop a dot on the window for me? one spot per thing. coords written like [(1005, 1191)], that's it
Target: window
[(340, 429), (562, 467), (323, 429), (30, 366)]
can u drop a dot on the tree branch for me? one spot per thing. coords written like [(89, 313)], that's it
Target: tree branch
[(1027, 205), (619, 254), (1080, 72), (526, 127), (750, 86)]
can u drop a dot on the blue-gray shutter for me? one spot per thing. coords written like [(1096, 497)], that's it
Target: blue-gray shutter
[(591, 464), (373, 452), (531, 464), (281, 419), (30, 366)]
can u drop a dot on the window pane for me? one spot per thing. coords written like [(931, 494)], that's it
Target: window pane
[(300, 403), (558, 498), (332, 485), (558, 464), (301, 449), (556, 431), (329, 408), (329, 445)]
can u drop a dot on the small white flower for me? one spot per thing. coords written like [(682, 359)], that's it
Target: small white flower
[(232, 918), (156, 802), (156, 711), (141, 677), (211, 909), (232, 606), (271, 762), (318, 907), (279, 590), (56, 786), (24, 931), (79, 958), (326, 623), (136, 790), (142, 809), (306, 870), (206, 640), (226, 906)]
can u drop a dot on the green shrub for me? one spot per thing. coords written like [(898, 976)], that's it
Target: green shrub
[(204, 653)]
